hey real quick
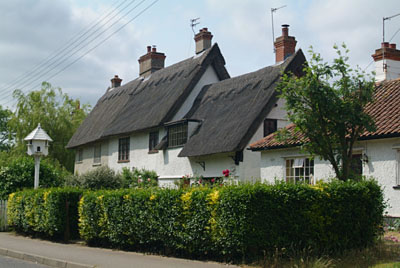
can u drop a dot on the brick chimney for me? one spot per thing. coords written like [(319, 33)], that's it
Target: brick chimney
[(285, 45), (203, 40), (116, 81), (150, 62), (387, 62)]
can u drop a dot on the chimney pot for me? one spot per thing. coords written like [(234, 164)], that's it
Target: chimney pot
[(116, 81), (151, 62), (393, 46), (285, 30), (385, 44)]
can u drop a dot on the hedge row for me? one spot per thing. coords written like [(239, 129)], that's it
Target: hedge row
[(51, 213), (235, 222)]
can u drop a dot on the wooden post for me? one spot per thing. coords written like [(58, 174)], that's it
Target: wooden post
[(66, 231)]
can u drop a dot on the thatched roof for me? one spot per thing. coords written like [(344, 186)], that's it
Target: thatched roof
[(232, 110), (146, 103)]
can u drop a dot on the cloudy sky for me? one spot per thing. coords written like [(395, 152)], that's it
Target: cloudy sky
[(79, 45)]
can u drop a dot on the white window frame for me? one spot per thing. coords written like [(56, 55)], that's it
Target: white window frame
[(301, 177)]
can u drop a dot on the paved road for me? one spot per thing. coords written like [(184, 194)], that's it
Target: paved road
[(90, 257), (7, 262)]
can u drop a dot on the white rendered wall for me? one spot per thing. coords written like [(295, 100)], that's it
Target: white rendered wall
[(209, 77), (278, 112), (392, 71), (87, 158), (382, 165)]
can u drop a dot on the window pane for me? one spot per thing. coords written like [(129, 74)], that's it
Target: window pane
[(177, 135), (123, 149), (97, 154)]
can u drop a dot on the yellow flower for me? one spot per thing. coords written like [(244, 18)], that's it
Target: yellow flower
[(213, 197), (100, 197), (186, 196), (152, 197), (11, 196), (81, 201), (126, 197), (46, 194), (186, 199)]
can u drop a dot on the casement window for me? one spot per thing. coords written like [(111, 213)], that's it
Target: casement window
[(177, 134), (79, 155), (153, 140), (270, 126), (123, 149), (300, 170), (357, 165), (97, 154)]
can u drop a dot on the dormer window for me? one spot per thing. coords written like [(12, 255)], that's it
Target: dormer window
[(177, 134)]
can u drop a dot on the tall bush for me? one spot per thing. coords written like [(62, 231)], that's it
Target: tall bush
[(19, 174), (237, 221), (51, 213)]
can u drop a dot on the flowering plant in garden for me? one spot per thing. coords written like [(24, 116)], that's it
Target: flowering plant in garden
[(392, 238), (139, 178), (226, 172)]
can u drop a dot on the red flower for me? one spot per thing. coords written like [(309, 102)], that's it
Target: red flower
[(226, 172), (213, 180)]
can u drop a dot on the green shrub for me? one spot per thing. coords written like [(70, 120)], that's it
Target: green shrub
[(99, 178), (19, 174), (235, 222), (139, 178), (51, 213)]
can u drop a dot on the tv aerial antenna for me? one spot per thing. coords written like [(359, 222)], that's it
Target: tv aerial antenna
[(383, 24), (272, 18), (383, 38), (193, 23)]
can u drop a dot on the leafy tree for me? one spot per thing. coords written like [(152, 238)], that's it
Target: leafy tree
[(58, 114), (326, 104), (19, 173), (5, 135)]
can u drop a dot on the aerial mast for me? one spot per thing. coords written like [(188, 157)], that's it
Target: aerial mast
[(273, 32)]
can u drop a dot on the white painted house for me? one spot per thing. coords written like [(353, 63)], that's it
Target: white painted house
[(187, 118), (377, 153)]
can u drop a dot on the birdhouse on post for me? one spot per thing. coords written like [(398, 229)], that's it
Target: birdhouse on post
[(38, 146)]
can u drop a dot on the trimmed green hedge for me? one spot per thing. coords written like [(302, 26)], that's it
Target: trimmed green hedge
[(235, 222), (49, 212)]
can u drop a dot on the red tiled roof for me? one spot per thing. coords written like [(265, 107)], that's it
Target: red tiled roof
[(385, 110)]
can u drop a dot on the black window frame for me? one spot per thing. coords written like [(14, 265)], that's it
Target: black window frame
[(177, 134), (270, 126), (153, 140), (123, 149), (79, 155), (97, 153), (356, 165)]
